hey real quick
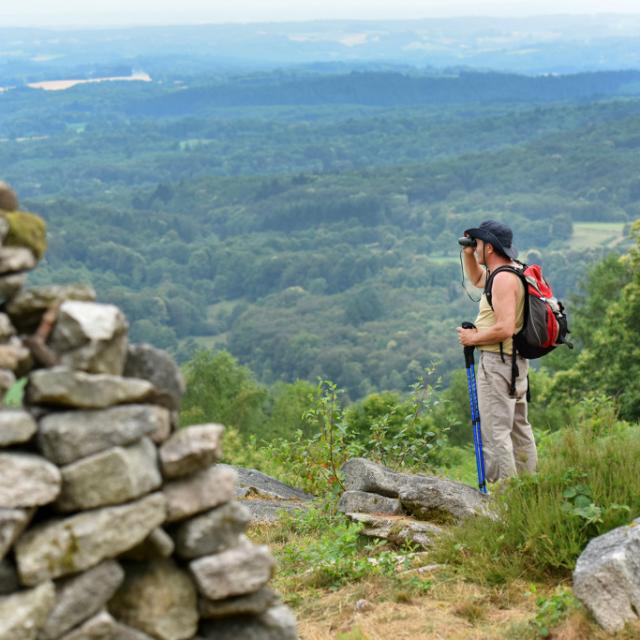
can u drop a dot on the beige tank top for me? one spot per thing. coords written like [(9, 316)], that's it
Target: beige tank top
[(487, 318)]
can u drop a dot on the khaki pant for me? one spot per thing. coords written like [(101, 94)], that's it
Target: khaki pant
[(507, 437)]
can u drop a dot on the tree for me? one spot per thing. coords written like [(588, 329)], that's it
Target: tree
[(219, 389), (610, 362)]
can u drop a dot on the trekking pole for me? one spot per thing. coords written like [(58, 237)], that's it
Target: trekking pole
[(475, 411)]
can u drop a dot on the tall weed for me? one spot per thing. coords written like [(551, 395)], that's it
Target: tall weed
[(588, 483)]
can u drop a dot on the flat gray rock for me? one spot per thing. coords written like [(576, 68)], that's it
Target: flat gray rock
[(16, 426), (112, 476), (159, 368), (103, 626), (22, 614), (61, 547), (158, 598), (191, 449), (91, 337), (27, 307), (12, 524), (607, 577), (213, 531), (398, 529), (251, 604), (66, 436), (425, 497), (199, 492), (277, 623), (27, 480), (253, 482), (63, 387), (80, 597), (362, 502), (271, 510), (16, 259), (238, 571)]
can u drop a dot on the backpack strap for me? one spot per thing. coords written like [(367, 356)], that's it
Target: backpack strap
[(515, 372)]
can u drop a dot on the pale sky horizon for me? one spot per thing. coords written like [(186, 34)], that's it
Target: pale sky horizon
[(134, 12)]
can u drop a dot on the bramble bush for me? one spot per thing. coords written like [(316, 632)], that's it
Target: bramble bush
[(397, 432)]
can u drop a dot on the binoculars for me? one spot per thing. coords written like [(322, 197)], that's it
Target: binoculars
[(466, 241)]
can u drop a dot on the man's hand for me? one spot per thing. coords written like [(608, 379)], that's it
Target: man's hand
[(467, 337)]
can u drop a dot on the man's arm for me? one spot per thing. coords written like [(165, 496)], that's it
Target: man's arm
[(476, 274), (505, 289)]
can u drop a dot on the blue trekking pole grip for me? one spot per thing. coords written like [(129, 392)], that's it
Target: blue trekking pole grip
[(475, 411)]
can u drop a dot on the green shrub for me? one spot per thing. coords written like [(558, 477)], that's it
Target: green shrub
[(588, 483)]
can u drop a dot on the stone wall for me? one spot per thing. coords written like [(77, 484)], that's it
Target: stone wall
[(114, 525)]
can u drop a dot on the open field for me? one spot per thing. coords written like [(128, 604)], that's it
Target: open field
[(596, 234)]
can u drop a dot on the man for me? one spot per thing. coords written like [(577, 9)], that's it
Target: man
[(508, 442)]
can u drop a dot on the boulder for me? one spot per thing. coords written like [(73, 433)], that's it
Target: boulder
[(66, 436), (16, 426), (444, 501), (426, 497), (12, 524), (271, 510), (28, 306), (159, 599), (191, 449), (80, 597), (159, 368), (213, 531), (22, 614), (91, 337), (277, 623), (199, 492), (362, 502), (112, 476), (398, 529), (27, 480), (607, 577), (8, 577), (250, 604), (14, 259), (241, 570), (253, 482), (158, 544), (104, 627), (61, 547), (65, 388)]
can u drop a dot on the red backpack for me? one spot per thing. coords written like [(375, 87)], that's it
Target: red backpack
[(545, 321)]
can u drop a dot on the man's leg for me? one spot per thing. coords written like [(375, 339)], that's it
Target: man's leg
[(497, 410), (524, 446)]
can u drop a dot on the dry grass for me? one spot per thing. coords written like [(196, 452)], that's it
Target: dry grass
[(451, 609)]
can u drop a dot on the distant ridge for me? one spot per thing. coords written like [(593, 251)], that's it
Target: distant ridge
[(390, 89)]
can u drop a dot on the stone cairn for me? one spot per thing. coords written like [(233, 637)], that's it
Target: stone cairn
[(114, 525)]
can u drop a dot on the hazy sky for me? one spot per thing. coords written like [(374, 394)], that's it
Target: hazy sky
[(59, 12)]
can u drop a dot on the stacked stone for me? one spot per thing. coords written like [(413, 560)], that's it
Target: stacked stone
[(115, 525)]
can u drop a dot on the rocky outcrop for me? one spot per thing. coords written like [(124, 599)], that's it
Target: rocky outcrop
[(113, 525), (402, 507), (607, 577)]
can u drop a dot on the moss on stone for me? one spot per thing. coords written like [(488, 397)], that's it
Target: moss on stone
[(27, 230)]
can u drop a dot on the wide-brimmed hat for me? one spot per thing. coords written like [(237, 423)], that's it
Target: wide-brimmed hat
[(497, 234)]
